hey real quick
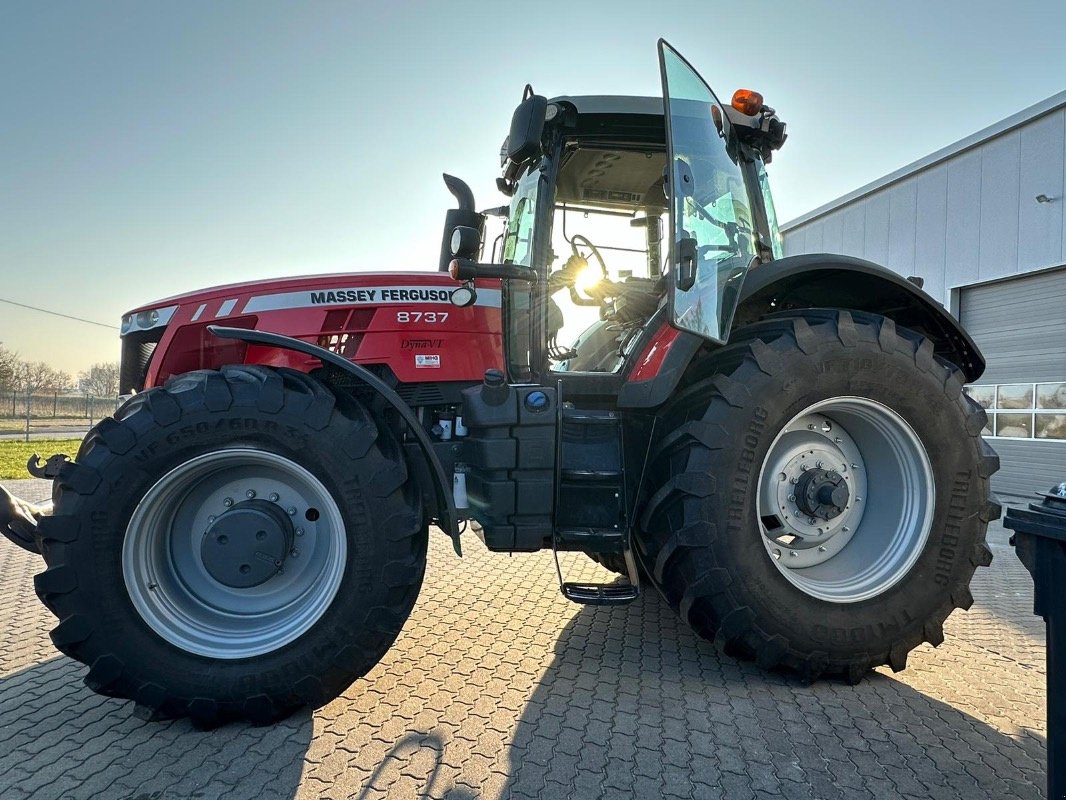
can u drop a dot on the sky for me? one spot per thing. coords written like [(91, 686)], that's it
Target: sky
[(149, 148)]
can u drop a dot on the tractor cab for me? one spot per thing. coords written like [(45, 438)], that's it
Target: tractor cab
[(624, 210)]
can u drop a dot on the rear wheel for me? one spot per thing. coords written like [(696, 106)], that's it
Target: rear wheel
[(822, 496), (237, 544), (615, 562)]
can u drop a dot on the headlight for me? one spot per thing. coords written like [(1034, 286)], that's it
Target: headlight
[(146, 320)]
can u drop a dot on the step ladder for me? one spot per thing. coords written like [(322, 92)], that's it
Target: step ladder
[(591, 511)]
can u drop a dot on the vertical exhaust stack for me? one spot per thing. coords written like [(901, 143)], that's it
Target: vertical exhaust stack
[(464, 215)]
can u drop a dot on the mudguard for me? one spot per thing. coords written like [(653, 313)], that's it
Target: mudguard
[(824, 280), (446, 504)]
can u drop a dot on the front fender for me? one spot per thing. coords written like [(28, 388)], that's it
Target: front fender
[(447, 516), (824, 280)]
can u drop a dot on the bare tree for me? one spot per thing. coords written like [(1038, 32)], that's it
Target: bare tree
[(100, 380), (32, 377), (9, 363)]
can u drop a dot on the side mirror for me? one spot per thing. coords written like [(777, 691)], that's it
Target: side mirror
[(527, 127)]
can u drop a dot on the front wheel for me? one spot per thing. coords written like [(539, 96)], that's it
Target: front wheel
[(822, 496), (234, 545)]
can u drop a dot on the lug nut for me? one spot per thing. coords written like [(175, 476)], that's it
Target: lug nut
[(294, 553), (810, 520), (792, 498), (793, 480), (292, 511), (227, 502), (274, 497), (250, 494), (793, 553), (845, 529), (819, 465), (211, 518), (810, 426), (299, 531), (821, 548)]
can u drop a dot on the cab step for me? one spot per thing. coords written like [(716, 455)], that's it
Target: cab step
[(601, 594)]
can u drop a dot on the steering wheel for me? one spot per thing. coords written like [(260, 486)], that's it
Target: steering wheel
[(576, 298)]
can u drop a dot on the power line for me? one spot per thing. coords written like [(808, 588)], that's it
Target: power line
[(57, 314)]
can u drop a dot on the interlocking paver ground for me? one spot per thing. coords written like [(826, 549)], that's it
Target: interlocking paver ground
[(498, 687)]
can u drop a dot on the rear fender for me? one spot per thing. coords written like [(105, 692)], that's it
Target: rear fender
[(823, 280), (447, 517)]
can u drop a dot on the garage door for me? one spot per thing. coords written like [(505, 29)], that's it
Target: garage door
[(1020, 326)]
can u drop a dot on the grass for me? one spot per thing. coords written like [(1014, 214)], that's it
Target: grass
[(14, 455), (19, 423)]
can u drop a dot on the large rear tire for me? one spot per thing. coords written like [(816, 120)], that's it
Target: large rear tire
[(234, 545), (821, 495)]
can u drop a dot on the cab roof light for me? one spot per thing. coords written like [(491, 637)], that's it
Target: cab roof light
[(747, 102)]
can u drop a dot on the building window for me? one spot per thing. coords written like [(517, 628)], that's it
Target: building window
[(1023, 410)]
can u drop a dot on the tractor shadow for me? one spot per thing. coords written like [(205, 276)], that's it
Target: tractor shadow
[(635, 705), (61, 740)]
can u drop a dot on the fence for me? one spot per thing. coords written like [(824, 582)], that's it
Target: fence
[(51, 414)]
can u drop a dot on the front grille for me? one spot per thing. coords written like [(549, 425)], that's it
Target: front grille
[(137, 350)]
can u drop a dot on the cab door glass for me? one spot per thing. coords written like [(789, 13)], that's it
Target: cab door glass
[(713, 236)]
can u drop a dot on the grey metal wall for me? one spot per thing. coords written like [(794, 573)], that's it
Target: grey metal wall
[(967, 219), (1020, 326)]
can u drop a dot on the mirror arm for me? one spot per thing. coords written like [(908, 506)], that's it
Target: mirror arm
[(464, 269)]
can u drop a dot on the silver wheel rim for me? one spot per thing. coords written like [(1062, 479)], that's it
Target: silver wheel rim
[(878, 533), (173, 590)]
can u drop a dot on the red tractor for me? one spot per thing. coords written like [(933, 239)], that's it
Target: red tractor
[(780, 446)]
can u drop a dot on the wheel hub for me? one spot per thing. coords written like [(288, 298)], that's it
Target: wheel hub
[(845, 499), (247, 545), (822, 493)]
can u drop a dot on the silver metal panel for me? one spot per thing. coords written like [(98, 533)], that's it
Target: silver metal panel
[(833, 233), (963, 220), (1020, 326), (853, 240), (794, 242), (930, 235), (876, 247), (813, 241), (1041, 172), (902, 217), (999, 207)]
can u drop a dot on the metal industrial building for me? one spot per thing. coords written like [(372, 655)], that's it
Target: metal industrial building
[(984, 223)]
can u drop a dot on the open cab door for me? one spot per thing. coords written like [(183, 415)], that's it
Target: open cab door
[(713, 243)]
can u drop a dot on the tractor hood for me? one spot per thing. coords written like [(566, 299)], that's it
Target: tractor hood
[(300, 282)]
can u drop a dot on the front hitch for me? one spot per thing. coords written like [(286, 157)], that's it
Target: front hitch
[(19, 519)]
